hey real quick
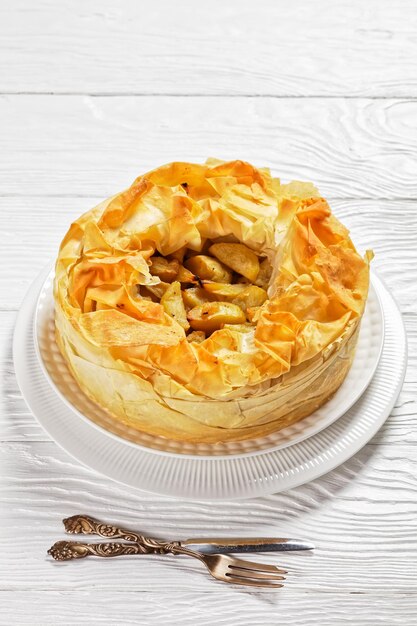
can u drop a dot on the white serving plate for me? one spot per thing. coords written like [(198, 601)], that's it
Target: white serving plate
[(234, 473)]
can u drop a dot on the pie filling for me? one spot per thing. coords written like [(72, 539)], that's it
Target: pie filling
[(223, 284)]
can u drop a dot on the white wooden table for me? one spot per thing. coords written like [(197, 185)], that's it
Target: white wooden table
[(93, 93)]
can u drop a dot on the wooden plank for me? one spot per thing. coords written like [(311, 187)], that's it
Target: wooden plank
[(61, 154), (361, 517), (16, 421), (367, 219), (156, 46), (32, 229), (388, 227), (18, 424), (74, 145), (214, 606)]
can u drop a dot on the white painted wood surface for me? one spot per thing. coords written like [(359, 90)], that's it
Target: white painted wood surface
[(91, 94)]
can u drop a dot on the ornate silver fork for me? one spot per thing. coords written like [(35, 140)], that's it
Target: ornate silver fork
[(220, 566)]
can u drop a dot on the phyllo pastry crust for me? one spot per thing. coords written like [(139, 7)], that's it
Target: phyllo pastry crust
[(209, 302)]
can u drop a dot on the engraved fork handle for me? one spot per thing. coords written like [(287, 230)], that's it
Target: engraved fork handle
[(68, 550), (85, 525)]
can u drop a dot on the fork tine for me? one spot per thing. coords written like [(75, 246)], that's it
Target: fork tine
[(260, 567), (245, 573), (252, 583)]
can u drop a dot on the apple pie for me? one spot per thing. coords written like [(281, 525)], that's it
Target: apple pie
[(209, 303)]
